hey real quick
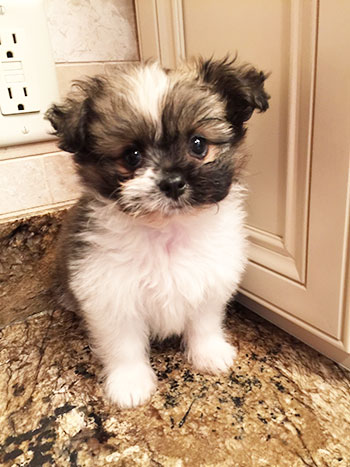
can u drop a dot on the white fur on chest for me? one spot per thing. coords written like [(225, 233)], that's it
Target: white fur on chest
[(160, 273)]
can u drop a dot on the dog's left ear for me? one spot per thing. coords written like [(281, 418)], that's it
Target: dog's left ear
[(70, 120), (242, 88)]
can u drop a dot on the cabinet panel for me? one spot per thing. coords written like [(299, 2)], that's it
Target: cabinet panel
[(320, 304)]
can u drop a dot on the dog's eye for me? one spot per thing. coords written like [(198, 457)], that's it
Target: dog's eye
[(198, 146), (133, 158)]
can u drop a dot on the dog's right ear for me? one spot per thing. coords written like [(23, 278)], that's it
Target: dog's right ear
[(70, 120), (241, 86)]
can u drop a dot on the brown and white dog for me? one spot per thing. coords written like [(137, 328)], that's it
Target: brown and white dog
[(156, 244)]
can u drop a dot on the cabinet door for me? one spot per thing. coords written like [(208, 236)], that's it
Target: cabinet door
[(298, 273)]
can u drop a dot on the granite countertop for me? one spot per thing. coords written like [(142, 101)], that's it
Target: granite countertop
[(27, 253), (281, 405)]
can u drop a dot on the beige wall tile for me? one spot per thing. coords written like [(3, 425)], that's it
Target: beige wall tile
[(112, 67), (37, 181), (61, 177), (23, 150), (23, 184), (102, 30), (67, 73)]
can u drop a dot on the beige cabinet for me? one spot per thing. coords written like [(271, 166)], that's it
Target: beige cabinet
[(299, 175)]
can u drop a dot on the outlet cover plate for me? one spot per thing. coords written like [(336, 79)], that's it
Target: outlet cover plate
[(30, 71)]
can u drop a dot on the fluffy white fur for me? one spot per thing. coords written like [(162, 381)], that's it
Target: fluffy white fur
[(149, 85), (158, 276)]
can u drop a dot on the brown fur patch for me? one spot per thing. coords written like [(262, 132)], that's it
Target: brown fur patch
[(212, 154)]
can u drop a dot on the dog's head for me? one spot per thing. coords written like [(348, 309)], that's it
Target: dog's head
[(160, 141)]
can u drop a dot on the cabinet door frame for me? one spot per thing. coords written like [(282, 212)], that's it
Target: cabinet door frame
[(289, 264)]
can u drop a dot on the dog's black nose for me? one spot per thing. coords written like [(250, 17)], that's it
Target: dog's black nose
[(173, 185)]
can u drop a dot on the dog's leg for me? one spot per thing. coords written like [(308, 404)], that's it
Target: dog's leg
[(204, 339), (122, 345)]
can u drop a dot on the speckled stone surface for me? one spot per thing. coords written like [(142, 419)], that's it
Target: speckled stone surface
[(281, 405), (26, 262)]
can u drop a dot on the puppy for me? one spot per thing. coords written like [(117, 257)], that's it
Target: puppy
[(156, 244)]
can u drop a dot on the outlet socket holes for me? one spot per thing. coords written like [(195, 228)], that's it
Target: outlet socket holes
[(9, 53), (20, 107)]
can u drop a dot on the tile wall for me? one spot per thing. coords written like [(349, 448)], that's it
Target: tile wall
[(88, 37)]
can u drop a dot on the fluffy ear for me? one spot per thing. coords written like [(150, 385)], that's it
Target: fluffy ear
[(70, 120), (242, 87)]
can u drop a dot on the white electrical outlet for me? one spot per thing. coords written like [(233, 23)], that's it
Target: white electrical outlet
[(17, 95), (28, 82)]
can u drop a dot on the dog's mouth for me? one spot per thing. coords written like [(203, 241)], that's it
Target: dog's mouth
[(155, 205)]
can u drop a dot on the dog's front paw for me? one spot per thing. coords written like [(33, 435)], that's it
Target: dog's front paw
[(213, 355), (131, 386)]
